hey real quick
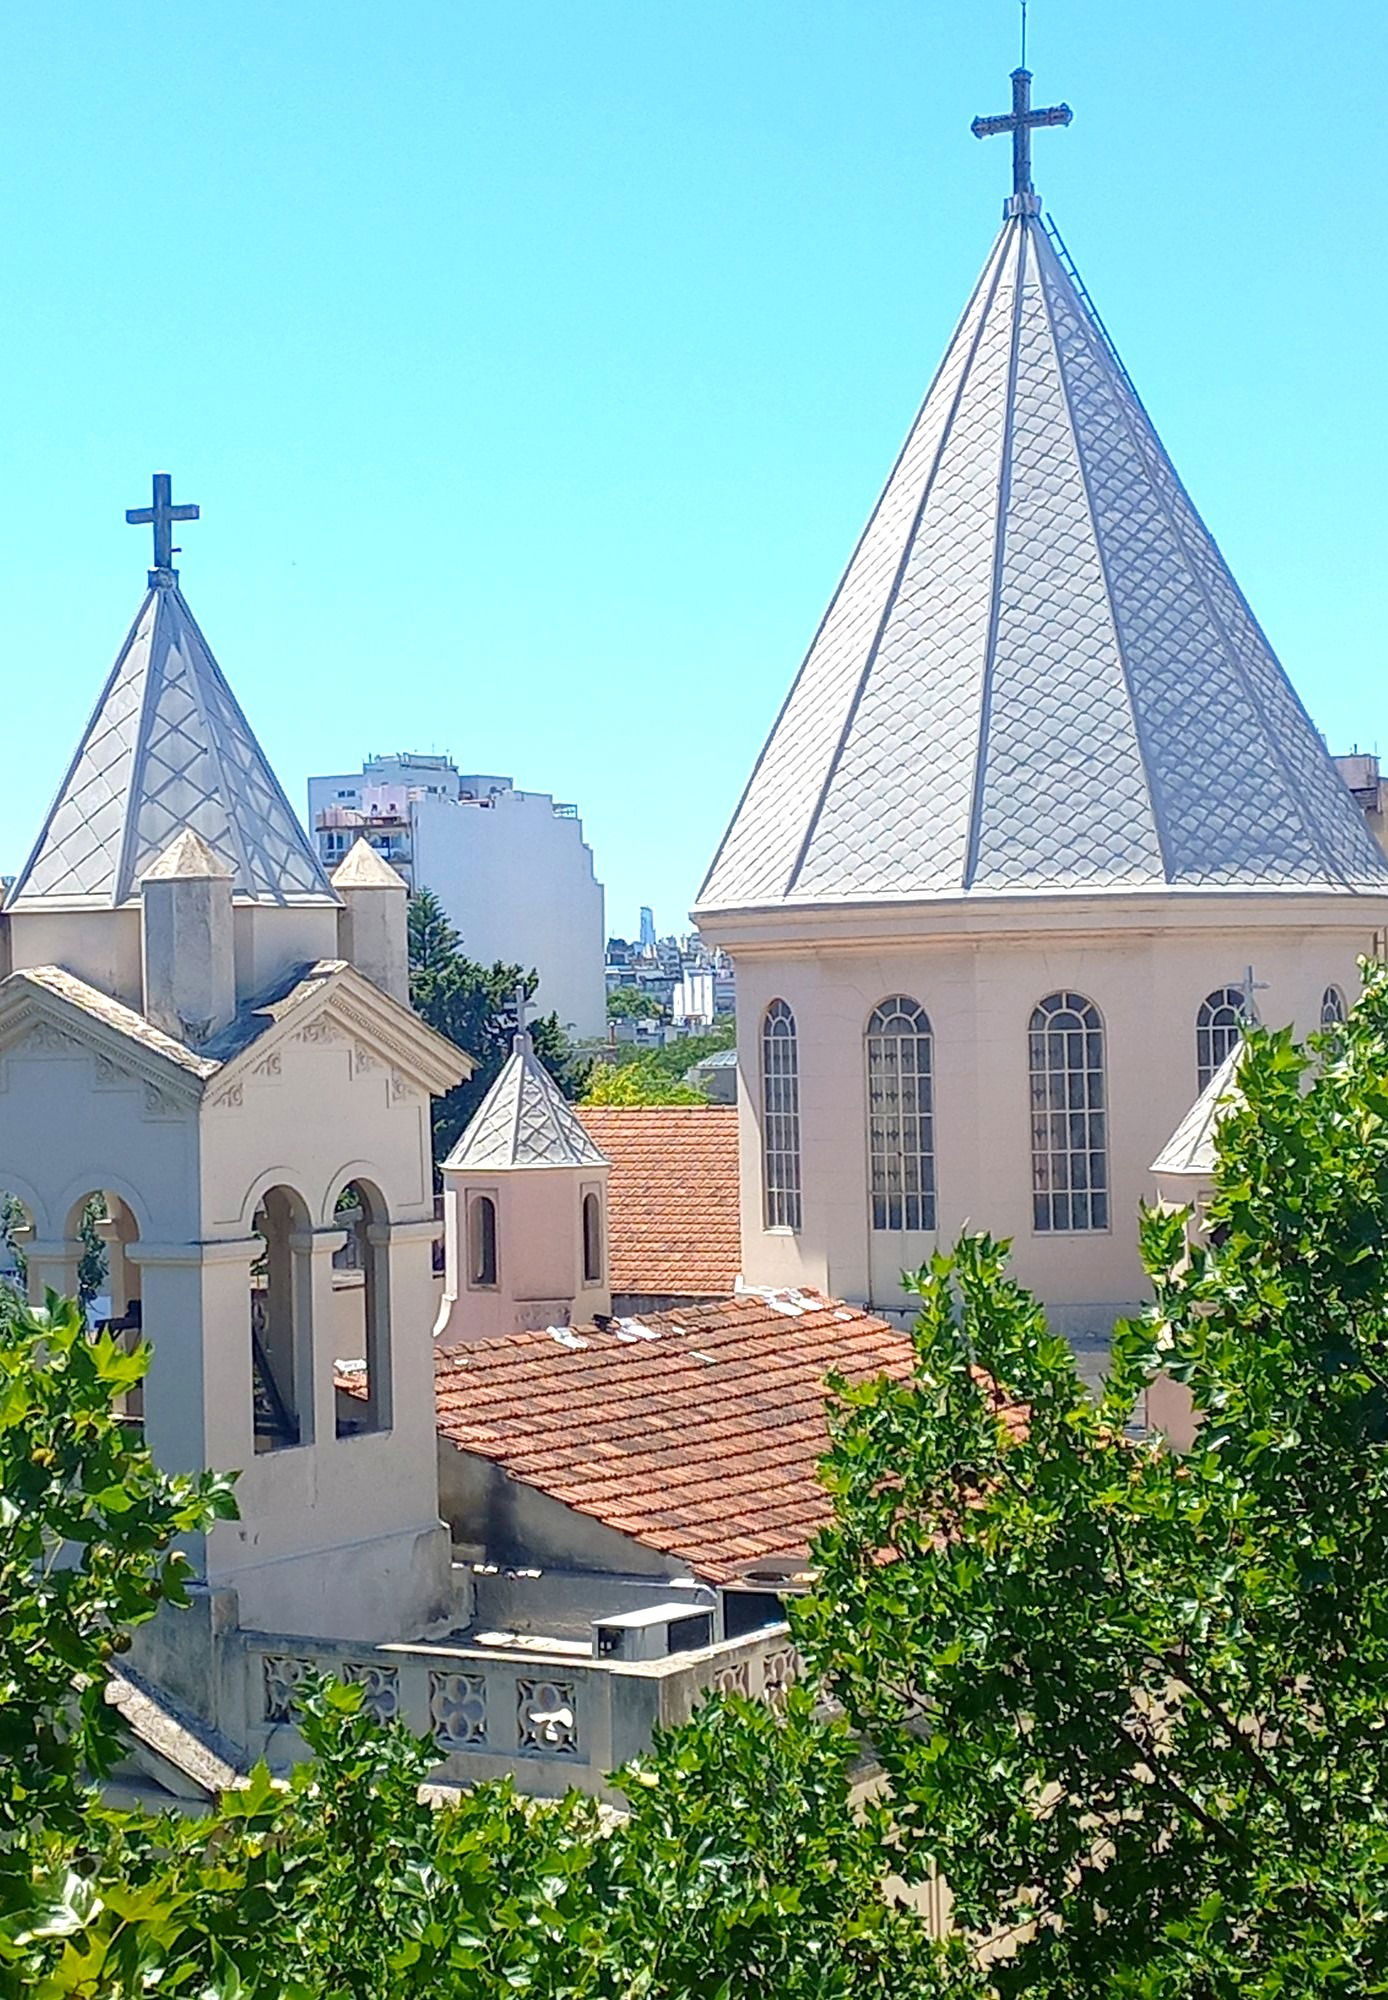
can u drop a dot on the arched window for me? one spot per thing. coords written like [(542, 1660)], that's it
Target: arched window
[(901, 1116), (592, 1239), (1332, 1006), (780, 1117), (1069, 1115), (281, 1324), (1218, 1028), (361, 1311), (481, 1239)]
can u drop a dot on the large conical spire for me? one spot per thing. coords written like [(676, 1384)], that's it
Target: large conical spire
[(1037, 673), (167, 748)]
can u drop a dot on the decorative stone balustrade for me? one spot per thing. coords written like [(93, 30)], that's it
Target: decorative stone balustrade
[(553, 1719)]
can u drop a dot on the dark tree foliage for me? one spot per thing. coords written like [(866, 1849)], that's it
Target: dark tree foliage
[(87, 1532), (1134, 1706), (474, 1007)]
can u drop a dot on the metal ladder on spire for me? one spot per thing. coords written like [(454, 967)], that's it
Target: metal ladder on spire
[(1071, 270)]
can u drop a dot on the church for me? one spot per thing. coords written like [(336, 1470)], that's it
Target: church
[(1040, 825), (1040, 821)]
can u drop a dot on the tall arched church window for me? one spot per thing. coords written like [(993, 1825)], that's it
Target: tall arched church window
[(481, 1240), (1069, 1115), (1218, 1027), (780, 1117), (901, 1116), (1332, 1006)]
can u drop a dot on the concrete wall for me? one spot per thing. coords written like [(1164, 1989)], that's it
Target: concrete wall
[(103, 947), (1147, 979), (518, 882), (503, 1520)]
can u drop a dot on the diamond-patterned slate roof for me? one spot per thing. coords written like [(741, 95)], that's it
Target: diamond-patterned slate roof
[(673, 1223), (166, 749), (1191, 1147), (1037, 672), (524, 1121)]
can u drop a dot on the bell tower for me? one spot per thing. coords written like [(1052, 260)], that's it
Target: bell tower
[(191, 1060)]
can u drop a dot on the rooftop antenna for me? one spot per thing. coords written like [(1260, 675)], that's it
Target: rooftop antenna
[(1024, 34)]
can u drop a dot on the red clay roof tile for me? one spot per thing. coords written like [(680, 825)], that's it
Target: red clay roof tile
[(672, 1201), (713, 1461)]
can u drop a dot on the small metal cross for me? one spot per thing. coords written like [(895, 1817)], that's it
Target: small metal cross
[(162, 515), (1021, 122), (521, 1033), (1251, 986)]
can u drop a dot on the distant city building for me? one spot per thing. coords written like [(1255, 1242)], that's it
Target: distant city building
[(691, 982), (1360, 771), (510, 867)]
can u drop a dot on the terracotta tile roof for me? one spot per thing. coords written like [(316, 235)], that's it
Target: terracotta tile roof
[(697, 1432), (672, 1213)]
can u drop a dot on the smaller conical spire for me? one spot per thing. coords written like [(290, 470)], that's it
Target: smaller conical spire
[(167, 748), (524, 1120)]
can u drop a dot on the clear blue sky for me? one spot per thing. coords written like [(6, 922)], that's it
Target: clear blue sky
[(536, 365)]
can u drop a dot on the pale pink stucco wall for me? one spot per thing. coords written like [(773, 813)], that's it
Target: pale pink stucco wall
[(1146, 966)]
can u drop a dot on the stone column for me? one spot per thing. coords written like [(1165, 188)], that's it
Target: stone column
[(313, 1250), (52, 1265), (197, 1318)]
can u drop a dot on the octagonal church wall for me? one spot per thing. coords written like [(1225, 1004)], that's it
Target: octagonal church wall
[(1147, 983)]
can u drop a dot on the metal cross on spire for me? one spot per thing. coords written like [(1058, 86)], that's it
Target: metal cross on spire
[(1021, 122), (522, 1032), (161, 516), (1251, 989)]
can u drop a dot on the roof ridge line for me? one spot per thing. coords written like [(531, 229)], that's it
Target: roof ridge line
[(828, 612), (122, 654), (850, 715), (1128, 407), (1004, 499), (1150, 772), (267, 768)]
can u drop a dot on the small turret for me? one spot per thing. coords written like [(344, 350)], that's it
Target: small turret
[(372, 928), (188, 945)]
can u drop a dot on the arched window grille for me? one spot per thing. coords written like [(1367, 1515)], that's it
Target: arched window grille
[(780, 1108), (1218, 1029), (592, 1240), (1332, 1006), (481, 1233), (1069, 1115), (901, 1116)]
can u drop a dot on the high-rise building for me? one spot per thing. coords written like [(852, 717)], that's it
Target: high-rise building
[(510, 867)]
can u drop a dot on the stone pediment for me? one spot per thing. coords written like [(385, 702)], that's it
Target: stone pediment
[(328, 1003), (45, 1011)]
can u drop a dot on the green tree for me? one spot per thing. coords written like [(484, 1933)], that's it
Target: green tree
[(1134, 1705), (87, 1527), (474, 1006), (742, 1868), (643, 1081), (629, 1003)]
